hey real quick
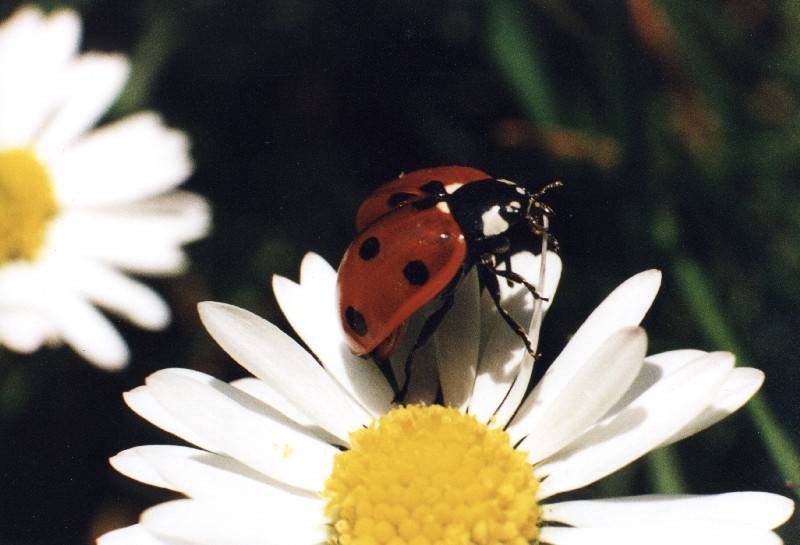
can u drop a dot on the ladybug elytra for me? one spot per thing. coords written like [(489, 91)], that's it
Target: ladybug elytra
[(419, 235)]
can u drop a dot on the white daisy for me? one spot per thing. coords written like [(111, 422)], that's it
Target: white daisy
[(308, 453), (78, 206)]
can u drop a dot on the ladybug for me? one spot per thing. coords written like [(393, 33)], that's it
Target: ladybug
[(418, 236)]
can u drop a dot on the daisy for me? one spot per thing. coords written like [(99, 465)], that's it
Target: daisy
[(79, 205), (307, 453)]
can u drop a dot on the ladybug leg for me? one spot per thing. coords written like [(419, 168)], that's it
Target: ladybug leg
[(514, 277), (488, 275), (507, 261), (428, 329)]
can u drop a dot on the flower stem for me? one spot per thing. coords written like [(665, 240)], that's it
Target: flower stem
[(664, 471), (699, 295)]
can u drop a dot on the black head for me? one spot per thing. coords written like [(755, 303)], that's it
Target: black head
[(492, 207)]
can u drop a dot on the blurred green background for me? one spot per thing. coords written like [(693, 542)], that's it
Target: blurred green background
[(674, 123)]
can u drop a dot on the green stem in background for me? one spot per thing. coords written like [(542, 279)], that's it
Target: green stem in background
[(517, 54), (148, 59), (699, 296), (664, 471)]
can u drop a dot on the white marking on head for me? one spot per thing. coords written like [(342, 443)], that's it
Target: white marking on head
[(521, 190), (504, 181), (516, 205), (443, 207), (451, 188), (492, 223)]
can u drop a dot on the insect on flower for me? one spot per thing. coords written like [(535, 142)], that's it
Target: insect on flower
[(419, 235)]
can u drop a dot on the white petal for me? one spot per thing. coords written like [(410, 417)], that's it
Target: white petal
[(741, 385), (243, 428), (274, 357), (272, 397), (68, 315), (757, 509), (87, 331), (312, 311), (204, 475), (458, 338), (424, 384), (655, 368), (23, 330), (112, 290), (594, 388), (503, 352), (624, 307), (217, 523), (34, 52), (143, 403), (132, 535), (669, 534), (640, 427), (520, 386), (121, 241), (92, 82), (131, 159)]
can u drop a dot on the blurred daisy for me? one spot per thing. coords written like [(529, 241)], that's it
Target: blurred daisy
[(308, 453), (78, 205)]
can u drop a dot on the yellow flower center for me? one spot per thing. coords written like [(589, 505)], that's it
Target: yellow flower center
[(27, 204), (430, 475)]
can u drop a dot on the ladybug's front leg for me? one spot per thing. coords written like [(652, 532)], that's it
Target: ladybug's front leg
[(488, 276), (514, 277)]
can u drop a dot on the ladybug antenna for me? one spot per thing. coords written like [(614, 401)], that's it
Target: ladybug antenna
[(552, 185), (535, 203)]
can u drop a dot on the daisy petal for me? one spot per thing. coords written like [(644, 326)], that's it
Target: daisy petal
[(134, 158), (243, 427), (656, 367), (274, 357), (116, 241), (22, 330), (669, 534), (91, 84), (503, 350), (142, 402), (520, 386), (624, 307), (273, 398), (640, 427), (312, 311), (424, 383), (607, 375), (34, 50), (457, 344), (132, 535), (204, 475), (758, 509), (741, 385), (217, 523), (111, 290), (87, 331)]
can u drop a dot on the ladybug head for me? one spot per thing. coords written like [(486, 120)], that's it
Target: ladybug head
[(492, 207)]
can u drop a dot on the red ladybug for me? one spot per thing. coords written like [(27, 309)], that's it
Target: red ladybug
[(418, 237)]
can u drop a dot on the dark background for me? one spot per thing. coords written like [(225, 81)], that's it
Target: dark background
[(674, 124)]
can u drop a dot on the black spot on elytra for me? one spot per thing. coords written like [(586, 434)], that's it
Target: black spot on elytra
[(356, 321), (434, 187), (416, 273), (396, 199), (369, 248), (424, 204)]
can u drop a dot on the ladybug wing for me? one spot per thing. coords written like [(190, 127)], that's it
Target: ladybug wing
[(409, 187), (393, 269)]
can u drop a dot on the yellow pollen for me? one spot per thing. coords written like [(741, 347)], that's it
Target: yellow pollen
[(430, 475), (27, 204)]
